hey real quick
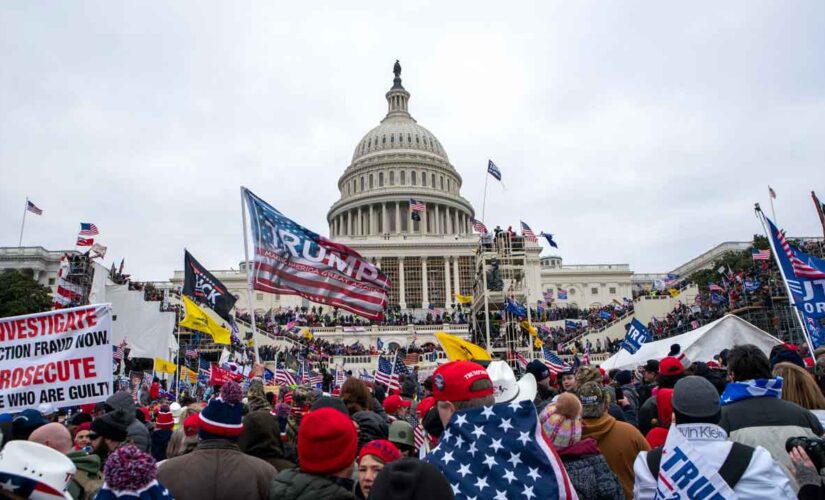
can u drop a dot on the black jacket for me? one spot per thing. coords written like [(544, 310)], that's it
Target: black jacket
[(292, 484)]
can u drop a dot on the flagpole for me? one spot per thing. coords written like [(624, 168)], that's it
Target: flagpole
[(248, 280), (484, 198), (486, 301), (773, 213), (784, 279), (177, 361), (23, 224)]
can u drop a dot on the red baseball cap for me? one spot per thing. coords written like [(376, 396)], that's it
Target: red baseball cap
[(393, 403), (424, 406), (452, 381), (671, 366)]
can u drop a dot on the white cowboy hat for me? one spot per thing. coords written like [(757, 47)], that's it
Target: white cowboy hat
[(505, 385), (32, 470)]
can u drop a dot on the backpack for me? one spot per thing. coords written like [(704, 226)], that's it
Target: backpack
[(732, 470)]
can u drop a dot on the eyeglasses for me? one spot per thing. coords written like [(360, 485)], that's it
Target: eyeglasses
[(92, 436)]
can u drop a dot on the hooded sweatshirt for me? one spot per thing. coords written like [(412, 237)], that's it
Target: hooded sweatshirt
[(371, 426), (589, 472), (261, 438), (619, 442), (137, 432), (87, 479)]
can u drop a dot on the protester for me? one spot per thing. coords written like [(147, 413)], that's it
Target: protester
[(109, 432), (568, 380), (131, 474), (670, 370), (619, 442), (543, 378), (87, 479), (753, 412), (402, 435), (33, 470), (261, 438), (396, 407), (561, 423), (410, 479), (371, 459), (650, 371), (799, 386), (750, 472), (164, 422), (217, 468), (322, 474), (624, 381), (25, 423), (624, 412), (137, 433), (81, 437), (664, 407), (811, 483)]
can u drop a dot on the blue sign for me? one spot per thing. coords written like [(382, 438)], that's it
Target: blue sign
[(637, 335)]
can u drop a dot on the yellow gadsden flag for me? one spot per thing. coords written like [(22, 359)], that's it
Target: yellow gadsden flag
[(673, 292), (463, 299), (197, 319), (188, 375), (163, 366), (458, 348)]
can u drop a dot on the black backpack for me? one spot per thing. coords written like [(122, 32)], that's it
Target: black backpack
[(732, 470)]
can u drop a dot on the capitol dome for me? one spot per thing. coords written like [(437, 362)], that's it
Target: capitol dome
[(394, 164)]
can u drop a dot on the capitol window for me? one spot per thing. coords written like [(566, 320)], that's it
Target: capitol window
[(384, 140), (416, 140), (371, 184), (412, 178), (432, 178), (392, 177), (442, 183), (362, 183), (423, 178), (380, 179), (403, 178), (612, 290), (594, 291)]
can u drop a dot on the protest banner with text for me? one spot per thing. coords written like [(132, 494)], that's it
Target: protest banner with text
[(61, 357)]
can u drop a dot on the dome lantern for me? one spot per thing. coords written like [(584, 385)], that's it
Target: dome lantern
[(397, 97)]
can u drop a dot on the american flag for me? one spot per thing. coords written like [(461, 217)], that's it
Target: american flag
[(292, 260), (553, 361), (715, 288), (479, 226), (88, 229), (85, 242), (117, 355), (761, 254), (522, 361), (365, 376), (387, 374), (801, 269), (282, 375), (528, 233), (417, 206), (418, 434), (310, 377), (771, 192), (31, 207), (499, 452), (191, 352), (269, 377), (493, 170)]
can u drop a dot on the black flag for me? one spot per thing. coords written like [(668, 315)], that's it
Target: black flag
[(202, 287)]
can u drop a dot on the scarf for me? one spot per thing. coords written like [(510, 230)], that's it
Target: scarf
[(757, 388)]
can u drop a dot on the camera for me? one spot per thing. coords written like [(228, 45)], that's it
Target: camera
[(814, 447)]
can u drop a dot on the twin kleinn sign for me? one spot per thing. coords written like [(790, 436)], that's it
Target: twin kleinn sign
[(61, 357)]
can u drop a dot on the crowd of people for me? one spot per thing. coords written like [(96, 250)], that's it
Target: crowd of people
[(748, 423)]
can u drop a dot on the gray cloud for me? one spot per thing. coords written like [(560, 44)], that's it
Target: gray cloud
[(635, 132)]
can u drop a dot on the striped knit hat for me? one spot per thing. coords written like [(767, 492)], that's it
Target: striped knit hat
[(223, 416)]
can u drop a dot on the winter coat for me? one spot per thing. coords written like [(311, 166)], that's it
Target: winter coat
[(88, 479), (160, 440), (154, 391), (647, 413), (293, 484), (769, 422), (370, 426), (136, 431), (216, 469), (619, 442), (261, 438), (589, 472), (763, 478)]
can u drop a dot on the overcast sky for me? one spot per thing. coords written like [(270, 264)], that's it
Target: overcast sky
[(636, 132)]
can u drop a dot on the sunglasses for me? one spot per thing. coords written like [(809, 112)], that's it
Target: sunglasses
[(92, 436)]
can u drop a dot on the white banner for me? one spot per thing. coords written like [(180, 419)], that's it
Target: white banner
[(61, 357)]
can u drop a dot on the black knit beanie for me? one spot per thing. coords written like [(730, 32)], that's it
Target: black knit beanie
[(112, 425), (410, 479)]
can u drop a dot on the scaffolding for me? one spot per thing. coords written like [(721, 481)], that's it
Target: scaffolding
[(80, 272), (500, 274)]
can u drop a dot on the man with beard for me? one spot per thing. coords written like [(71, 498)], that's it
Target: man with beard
[(543, 379), (109, 432)]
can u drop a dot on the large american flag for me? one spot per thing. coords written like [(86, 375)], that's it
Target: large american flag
[(479, 226), (499, 452), (528, 233), (292, 260), (31, 207), (387, 374), (801, 269), (553, 361), (88, 229), (282, 375), (417, 206)]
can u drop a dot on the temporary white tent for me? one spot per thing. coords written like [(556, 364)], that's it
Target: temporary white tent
[(148, 331), (698, 345)]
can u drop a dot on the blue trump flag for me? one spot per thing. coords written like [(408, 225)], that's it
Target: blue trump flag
[(549, 238), (637, 335), (805, 277), (498, 452), (605, 315)]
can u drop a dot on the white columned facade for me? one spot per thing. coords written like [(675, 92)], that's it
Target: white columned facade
[(371, 225), (397, 216), (456, 282), (447, 295), (360, 223), (437, 227), (425, 296), (385, 227)]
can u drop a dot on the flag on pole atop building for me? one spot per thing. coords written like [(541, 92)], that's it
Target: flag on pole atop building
[(99, 251), (292, 260), (88, 229), (85, 242), (771, 192), (527, 232), (549, 238), (479, 226), (493, 170), (417, 206), (31, 207)]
